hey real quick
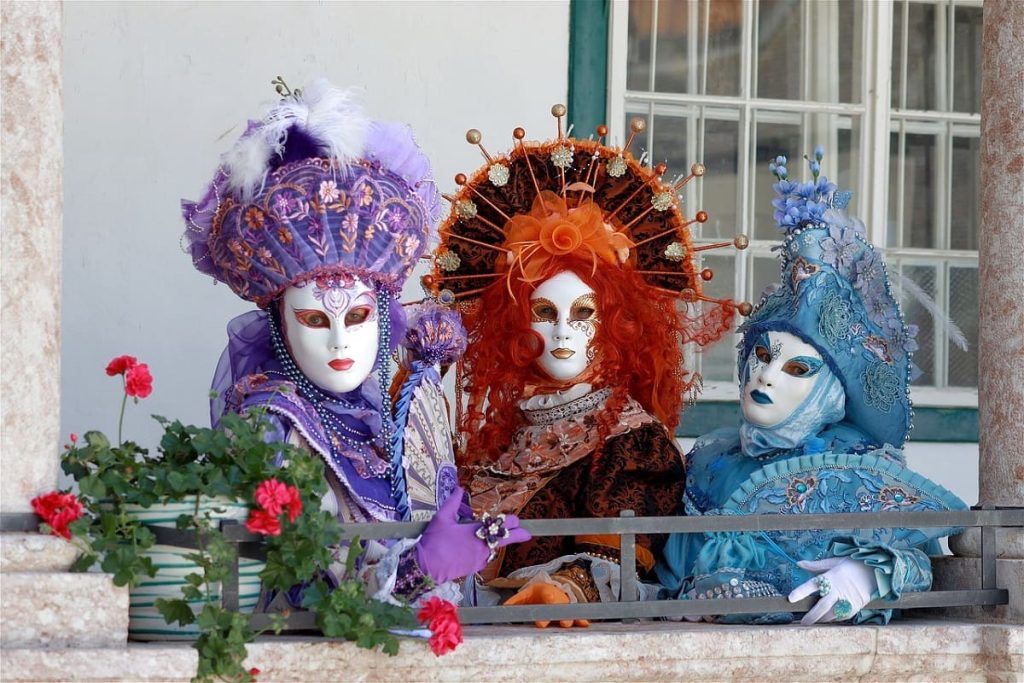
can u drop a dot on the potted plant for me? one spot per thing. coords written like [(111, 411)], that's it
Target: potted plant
[(198, 478)]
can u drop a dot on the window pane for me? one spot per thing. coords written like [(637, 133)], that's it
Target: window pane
[(638, 59), (851, 13), (779, 44), (923, 31), (915, 314), (847, 157), (964, 214), (720, 183), (670, 144), (773, 139), (640, 144), (671, 61), (967, 59), (897, 54), (765, 273), (834, 27), (919, 192), (963, 309), (725, 28), (717, 363), (893, 226)]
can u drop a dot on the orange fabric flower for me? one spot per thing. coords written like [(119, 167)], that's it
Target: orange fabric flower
[(551, 229)]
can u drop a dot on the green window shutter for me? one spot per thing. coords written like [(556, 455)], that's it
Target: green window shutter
[(588, 64)]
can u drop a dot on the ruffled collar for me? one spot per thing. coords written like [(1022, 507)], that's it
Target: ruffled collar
[(551, 399)]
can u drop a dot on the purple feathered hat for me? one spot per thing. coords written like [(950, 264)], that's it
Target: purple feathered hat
[(313, 189)]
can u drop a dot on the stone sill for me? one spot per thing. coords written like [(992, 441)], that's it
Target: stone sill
[(913, 649)]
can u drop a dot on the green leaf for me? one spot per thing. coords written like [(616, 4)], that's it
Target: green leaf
[(191, 593), (92, 486), (178, 482), (354, 551), (83, 562), (175, 611), (97, 440)]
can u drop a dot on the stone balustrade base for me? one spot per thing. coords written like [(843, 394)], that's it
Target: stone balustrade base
[(964, 573), (61, 610), (34, 552), (908, 650)]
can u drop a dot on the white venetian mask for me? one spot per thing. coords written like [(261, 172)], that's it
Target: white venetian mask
[(564, 313), (781, 372), (331, 327)]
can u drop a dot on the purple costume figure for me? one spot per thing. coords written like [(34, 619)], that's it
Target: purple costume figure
[(318, 216)]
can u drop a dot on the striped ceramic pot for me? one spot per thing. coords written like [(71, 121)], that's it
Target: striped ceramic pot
[(145, 621)]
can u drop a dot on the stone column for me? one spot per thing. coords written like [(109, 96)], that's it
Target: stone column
[(1001, 256), (32, 200), (43, 605), (1001, 305)]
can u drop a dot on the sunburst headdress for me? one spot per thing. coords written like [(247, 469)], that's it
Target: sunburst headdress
[(543, 200)]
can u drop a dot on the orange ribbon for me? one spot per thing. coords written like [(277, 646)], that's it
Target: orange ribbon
[(551, 230)]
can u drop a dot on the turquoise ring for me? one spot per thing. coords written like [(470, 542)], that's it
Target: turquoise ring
[(842, 609)]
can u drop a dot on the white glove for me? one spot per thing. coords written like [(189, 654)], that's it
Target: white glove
[(839, 578)]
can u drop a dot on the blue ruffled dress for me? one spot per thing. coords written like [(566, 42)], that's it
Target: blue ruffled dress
[(838, 451)]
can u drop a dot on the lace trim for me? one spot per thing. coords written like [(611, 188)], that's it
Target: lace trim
[(585, 404)]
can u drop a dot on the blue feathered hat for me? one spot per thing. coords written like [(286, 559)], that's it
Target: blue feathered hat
[(835, 295)]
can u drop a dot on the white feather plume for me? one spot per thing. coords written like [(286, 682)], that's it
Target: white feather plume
[(331, 116), (842, 219), (904, 285)]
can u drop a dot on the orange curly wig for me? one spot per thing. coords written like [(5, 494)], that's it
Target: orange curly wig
[(638, 343)]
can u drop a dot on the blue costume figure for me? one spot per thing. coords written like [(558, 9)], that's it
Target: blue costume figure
[(824, 367)]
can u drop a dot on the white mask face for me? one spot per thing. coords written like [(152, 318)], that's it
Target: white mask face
[(564, 313), (331, 327), (782, 370)]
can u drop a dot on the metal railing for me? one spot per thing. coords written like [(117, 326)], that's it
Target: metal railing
[(627, 526)]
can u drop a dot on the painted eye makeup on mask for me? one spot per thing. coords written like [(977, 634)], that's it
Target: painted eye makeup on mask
[(543, 311), (312, 318), (358, 316), (802, 366), (762, 354), (584, 308)]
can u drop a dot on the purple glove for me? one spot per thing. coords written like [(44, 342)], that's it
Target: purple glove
[(450, 550)]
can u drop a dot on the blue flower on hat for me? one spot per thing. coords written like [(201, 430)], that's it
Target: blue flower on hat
[(839, 248)]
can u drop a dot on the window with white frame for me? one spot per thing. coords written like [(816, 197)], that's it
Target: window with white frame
[(891, 89)]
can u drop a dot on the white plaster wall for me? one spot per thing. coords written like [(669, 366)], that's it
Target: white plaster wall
[(154, 92)]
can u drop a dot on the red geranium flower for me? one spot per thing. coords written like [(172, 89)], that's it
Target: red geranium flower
[(138, 382), (272, 496), (121, 365), (58, 510), (262, 522), (275, 497), (442, 618), (294, 504)]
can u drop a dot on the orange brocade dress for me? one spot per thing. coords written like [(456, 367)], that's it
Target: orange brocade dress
[(559, 467)]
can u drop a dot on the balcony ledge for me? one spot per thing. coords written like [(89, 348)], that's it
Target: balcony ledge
[(913, 649)]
